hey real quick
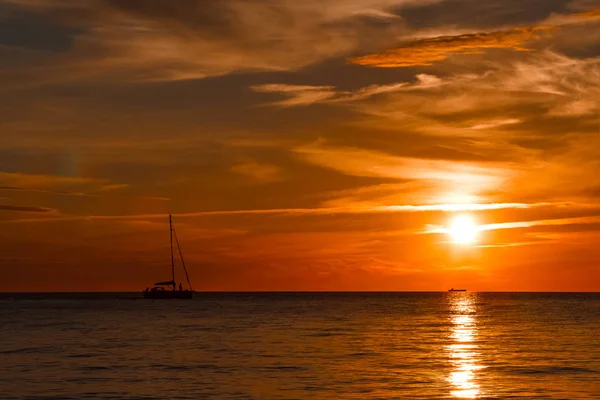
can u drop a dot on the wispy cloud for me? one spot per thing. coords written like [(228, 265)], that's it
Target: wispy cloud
[(259, 172), (360, 162), (35, 181), (17, 189), (154, 41), (495, 123), (54, 184), (590, 15), (298, 94), (114, 186), (298, 212), (306, 95), (574, 221), (428, 51), (26, 209), (156, 198), (546, 222)]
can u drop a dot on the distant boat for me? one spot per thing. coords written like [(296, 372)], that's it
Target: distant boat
[(457, 290), (168, 289)]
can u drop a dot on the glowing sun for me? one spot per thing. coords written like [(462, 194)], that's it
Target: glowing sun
[(463, 229)]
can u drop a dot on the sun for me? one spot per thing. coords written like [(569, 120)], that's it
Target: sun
[(463, 229)]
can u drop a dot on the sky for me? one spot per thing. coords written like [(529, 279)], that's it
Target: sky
[(300, 145)]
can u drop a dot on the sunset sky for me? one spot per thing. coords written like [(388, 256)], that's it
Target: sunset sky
[(300, 145)]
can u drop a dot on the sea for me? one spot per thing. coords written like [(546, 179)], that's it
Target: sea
[(458, 345)]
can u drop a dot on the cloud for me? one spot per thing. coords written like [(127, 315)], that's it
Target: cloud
[(303, 95), (575, 108), (54, 184), (319, 211), (17, 189), (539, 114), (546, 73), (111, 187), (156, 41), (428, 51), (590, 15), (153, 41), (259, 172), (360, 162), (156, 198), (298, 94), (574, 222), (512, 97), (37, 181), (26, 209), (496, 123)]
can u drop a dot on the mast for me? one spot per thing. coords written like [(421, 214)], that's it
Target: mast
[(172, 257), (182, 262)]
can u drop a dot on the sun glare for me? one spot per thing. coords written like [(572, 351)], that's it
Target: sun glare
[(463, 229)]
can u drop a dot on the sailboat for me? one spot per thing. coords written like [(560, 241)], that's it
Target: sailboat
[(168, 289)]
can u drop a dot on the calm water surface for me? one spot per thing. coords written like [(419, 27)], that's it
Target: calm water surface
[(301, 346)]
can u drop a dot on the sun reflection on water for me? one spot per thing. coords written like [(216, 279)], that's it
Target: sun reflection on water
[(463, 347)]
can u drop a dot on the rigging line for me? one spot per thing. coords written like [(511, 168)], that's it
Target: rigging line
[(172, 257), (182, 262)]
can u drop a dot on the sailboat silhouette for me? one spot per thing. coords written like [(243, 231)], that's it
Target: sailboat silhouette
[(168, 289)]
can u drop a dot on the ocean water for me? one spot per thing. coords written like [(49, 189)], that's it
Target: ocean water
[(301, 346)]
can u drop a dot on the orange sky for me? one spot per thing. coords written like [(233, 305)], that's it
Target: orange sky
[(300, 145)]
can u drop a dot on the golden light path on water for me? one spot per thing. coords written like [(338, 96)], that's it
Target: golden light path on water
[(463, 348)]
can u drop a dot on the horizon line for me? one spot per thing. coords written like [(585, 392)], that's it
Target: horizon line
[(302, 291)]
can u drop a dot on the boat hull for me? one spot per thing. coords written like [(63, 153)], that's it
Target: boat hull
[(169, 294)]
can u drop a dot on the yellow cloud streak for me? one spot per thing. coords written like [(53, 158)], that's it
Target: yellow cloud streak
[(428, 51), (522, 224), (303, 211), (544, 222)]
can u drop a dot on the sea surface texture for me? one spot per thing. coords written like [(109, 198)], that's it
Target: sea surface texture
[(301, 346)]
